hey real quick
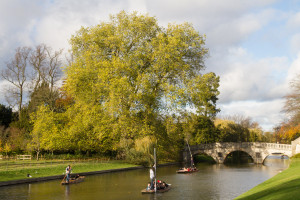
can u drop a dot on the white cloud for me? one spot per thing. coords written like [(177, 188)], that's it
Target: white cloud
[(294, 20), (16, 25), (249, 83), (245, 78), (137, 5), (267, 113), (63, 18), (294, 69), (232, 31), (2, 86), (295, 42)]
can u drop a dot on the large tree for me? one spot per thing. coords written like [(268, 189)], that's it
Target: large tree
[(139, 77), (131, 65)]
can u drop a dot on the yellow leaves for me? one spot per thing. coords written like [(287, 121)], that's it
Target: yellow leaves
[(144, 144), (292, 132), (1, 148), (6, 148), (130, 59), (126, 72), (288, 132), (223, 123)]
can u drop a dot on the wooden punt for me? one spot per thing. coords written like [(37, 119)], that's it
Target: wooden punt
[(74, 180), (145, 191), (181, 171)]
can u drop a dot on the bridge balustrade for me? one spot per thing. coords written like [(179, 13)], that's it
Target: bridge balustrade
[(257, 150), (279, 146)]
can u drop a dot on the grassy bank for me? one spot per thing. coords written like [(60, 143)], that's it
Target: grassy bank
[(16, 170), (285, 185)]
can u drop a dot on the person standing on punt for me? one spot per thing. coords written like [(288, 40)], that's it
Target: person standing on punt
[(152, 178), (68, 173)]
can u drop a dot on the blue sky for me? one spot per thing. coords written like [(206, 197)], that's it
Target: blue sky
[(254, 45)]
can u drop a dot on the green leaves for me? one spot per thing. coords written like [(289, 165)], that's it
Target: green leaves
[(130, 63), (128, 78)]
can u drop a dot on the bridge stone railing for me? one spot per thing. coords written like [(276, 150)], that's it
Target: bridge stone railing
[(277, 146), (257, 150)]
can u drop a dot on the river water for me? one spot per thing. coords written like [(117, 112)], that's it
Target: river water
[(211, 182)]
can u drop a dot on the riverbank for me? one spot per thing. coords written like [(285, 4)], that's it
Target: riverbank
[(32, 171), (285, 185), (16, 172)]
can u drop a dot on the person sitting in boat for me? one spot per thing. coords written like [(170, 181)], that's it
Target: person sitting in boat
[(148, 187), (165, 184), (161, 185), (68, 173), (158, 184), (77, 176)]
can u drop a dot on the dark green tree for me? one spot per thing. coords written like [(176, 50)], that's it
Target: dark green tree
[(6, 115), (200, 129), (43, 95), (233, 132)]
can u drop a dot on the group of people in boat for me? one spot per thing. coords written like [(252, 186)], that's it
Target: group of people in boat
[(68, 174), (189, 169), (160, 185)]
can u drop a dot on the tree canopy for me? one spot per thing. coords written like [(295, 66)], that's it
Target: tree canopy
[(131, 84), (130, 64)]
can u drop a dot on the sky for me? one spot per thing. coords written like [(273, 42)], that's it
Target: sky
[(254, 45)]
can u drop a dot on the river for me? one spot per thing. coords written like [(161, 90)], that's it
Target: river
[(211, 182)]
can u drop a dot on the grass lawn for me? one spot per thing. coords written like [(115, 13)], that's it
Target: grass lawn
[(16, 170), (285, 185)]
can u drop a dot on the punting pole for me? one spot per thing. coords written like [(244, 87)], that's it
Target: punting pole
[(192, 161), (155, 169)]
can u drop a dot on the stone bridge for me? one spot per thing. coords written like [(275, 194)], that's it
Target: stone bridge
[(257, 150)]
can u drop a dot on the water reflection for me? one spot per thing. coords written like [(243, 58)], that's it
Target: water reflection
[(67, 191), (210, 182), (277, 162)]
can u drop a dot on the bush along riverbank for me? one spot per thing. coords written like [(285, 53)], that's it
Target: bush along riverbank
[(20, 170), (285, 185)]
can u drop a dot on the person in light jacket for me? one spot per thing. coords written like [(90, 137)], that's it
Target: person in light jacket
[(68, 172), (152, 178)]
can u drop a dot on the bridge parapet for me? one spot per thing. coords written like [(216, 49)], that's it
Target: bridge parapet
[(257, 150), (241, 144), (277, 146)]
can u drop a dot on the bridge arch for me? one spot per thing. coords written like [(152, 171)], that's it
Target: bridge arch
[(208, 158), (258, 151), (242, 156), (278, 154)]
